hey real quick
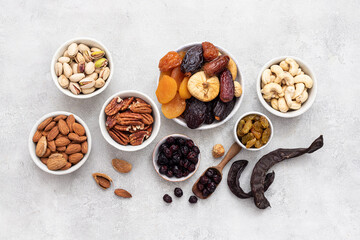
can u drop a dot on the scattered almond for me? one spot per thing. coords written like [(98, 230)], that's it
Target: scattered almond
[(121, 165), (122, 193), (103, 180)]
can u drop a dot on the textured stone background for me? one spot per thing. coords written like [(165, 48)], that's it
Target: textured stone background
[(313, 197)]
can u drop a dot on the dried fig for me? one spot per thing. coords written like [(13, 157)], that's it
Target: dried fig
[(203, 88)]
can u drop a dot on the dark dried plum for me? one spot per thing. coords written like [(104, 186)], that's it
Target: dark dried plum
[(209, 114), (222, 110), (195, 114), (193, 60)]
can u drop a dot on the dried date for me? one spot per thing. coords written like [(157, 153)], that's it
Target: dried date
[(195, 114), (193, 60), (227, 89), (216, 66)]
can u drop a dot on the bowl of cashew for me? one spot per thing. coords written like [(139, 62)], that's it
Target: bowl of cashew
[(286, 86)]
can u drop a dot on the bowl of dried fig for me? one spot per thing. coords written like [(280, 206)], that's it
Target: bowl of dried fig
[(200, 85), (60, 143), (129, 120)]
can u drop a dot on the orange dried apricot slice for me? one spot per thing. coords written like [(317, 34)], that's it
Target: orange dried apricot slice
[(166, 89), (178, 75), (164, 73), (174, 108), (183, 90)]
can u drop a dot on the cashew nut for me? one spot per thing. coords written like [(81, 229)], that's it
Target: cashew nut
[(284, 65), (265, 77), (299, 88), (287, 78), (300, 72), (283, 107), (272, 78), (274, 104), (289, 93), (271, 89), (304, 79), (278, 71), (294, 66), (302, 97)]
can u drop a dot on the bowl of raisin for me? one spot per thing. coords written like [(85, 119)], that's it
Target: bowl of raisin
[(200, 85), (176, 158)]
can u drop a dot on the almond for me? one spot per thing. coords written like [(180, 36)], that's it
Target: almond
[(37, 136), (121, 165), (122, 193), (66, 167), (45, 133), (75, 158), (44, 160), (41, 147), (65, 156), (60, 136), (61, 142), (70, 120), (103, 180), (63, 127), (84, 147), (47, 153), (78, 129), (53, 133), (56, 161), (73, 148), (73, 137), (61, 149), (50, 126), (52, 146), (44, 123), (63, 117)]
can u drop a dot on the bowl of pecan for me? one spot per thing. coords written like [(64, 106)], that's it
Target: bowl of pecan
[(129, 120), (200, 85), (60, 143)]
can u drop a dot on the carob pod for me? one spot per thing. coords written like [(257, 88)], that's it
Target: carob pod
[(222, 110), (195, 114), (192, 61), (234, 175)]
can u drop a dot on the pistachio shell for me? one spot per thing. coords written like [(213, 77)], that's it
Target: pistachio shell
[(75, 68), (74, 88), (79, 58), (88, 90), (72, 50), (99, 83), (66, 54), (81, 67), (64, 59), (94, 75), (63, 81), (83, 47), (104, 73), (58, 69), (97, 54), (87, 83), (95, 49), (67, 70), (102, 62), (87, 56), (89, 68), (77, 77)]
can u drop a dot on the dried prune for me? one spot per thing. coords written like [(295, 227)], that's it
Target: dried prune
[(210, 51), (195, 114), (227, 89), (193, 60), (216, 66), (209, 114), (170, 60), (222, 110)]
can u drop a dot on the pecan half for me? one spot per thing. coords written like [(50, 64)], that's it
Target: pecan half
[(147, 119), (128, 118), (126, 103), (149, 130), (138, 138), (119, 137), (137, 128), (110, 121), (114, 106), (122, 128), (140, 106)]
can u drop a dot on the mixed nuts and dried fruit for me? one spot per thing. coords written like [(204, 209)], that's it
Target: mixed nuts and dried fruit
[(285, 86), (129, 120), (82, 69), (198, 85), (177, 157), (61, 142), (253, 131)]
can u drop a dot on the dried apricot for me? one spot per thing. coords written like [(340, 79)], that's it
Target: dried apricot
[(171, 60), (164, 73), (183, 90), (177, 75), (210, 51), (166, 89), (174, 108)]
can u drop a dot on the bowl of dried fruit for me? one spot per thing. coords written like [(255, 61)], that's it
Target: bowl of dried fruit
[(200, 85), (129, 120), (253, 131), (60, 143), (176, 158), (82, 68), (286, 86)]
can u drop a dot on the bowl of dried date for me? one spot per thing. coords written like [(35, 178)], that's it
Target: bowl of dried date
[(129, 120), (60, 143), (82, 68), (176, 158), (253, 131), (200, 85)]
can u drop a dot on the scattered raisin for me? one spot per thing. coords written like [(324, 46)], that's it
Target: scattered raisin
[(178, 192), (167, 198), (193, 199)]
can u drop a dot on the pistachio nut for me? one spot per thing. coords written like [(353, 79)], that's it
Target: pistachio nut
[(58, 69), (79, 58), (83, 47), (67, 70), (87, 56), (94, 75), (72, 50), (74, 68), (89, 68), (63, 81), (77, 77), (98, 54), (104, 73), (97, 70), (87, 83), (102, 62), (99, 83), (66, 54), (64, 59), (81, 67), (88, 90), (74, 88), (95, 49)]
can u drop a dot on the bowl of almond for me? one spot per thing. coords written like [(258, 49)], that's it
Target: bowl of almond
[(60, 143)]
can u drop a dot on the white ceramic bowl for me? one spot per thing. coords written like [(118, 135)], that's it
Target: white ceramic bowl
[(91, 43), (239, 142), (32, 145), (312, 91), (239, 78), (156, 124), (156, 166)]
